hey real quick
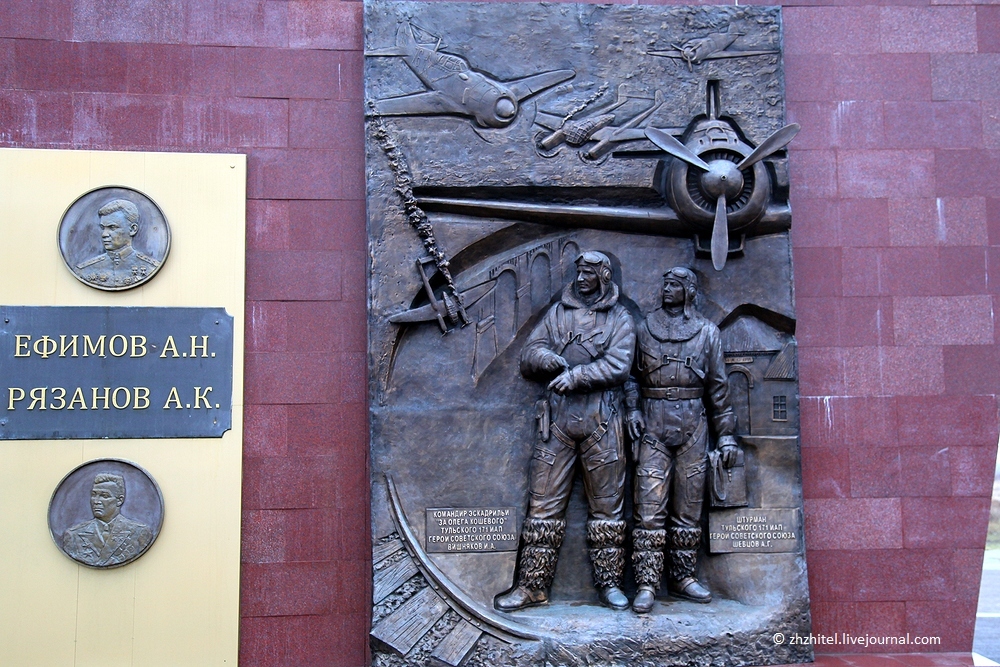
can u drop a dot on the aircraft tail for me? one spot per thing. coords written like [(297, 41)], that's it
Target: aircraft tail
[(405, 45)]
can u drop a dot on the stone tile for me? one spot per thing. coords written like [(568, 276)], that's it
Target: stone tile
[(854, 523), (928, 29), (281, 378), (817, 222), (988, 29), (127, 121), (945, 522), (294, 275), (45, 19), (325, 24), (971, 369), (959, 76), (875, 472), (834, 30), (825, 473), (287, 73), (939, 221), (818, 272), (942, 421), (267, 326), (265, 430), (886, 173), (849, 421), (268, 222), (226, 123), (36, 118), (965, 320), (138, 21)]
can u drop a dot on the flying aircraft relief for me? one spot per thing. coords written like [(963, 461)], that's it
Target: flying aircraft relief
[(453, 87), (710, 47), (579, 227)]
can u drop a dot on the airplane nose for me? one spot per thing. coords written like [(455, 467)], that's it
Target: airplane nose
[(505, 108)]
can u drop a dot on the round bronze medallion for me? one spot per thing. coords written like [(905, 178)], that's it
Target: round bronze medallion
[(106, 513), (114, 238)]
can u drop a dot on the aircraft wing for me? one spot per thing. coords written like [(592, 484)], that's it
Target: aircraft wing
[(426, 312), (737, 54), (626, 133), (673, 53), (530, 85), (548, 120), (389, 52), (661, 220), (429, 102)]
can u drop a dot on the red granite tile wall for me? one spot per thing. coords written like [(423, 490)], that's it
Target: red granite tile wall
[(281, 82), (896, 233), (894, 207)]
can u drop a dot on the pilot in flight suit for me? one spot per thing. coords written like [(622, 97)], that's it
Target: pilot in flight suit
[(583, 349), (679, 372)]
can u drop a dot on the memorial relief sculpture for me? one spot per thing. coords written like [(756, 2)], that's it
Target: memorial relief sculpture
[(583, 379), (108, 537), (114, 239), (680, 371)]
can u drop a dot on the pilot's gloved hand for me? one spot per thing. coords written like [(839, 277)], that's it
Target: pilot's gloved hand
[(553, 362), (563, 383), (636, 424), (729, 449)]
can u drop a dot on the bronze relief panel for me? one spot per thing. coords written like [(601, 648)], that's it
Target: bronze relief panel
[(581, 311)]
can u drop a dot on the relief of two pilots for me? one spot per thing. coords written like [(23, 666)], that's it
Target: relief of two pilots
[(660, 379)]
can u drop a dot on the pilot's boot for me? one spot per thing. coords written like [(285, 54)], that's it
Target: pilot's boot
[(647, 559), (683, 556), (608, 558), (540, 542)]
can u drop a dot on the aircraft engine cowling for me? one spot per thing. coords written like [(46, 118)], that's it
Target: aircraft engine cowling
[(693, 192), (491, 106)]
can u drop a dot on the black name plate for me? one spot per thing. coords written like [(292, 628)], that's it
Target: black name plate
[(469, 529), (115, 372), (749, 530)]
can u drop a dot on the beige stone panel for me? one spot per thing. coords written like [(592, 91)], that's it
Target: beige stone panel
[(179, 603)]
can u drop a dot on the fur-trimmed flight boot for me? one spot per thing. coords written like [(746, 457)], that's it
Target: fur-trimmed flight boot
[(683, 556), (647, 559), (608, 558), (540, 542)]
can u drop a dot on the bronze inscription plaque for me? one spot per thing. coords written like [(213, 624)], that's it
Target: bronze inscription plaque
[(466, 529), (115, 372), (755, 531)]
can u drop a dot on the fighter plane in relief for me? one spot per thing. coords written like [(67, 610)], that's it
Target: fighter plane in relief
[(711, 185), (454, 87), (597, 127), (710, 47)]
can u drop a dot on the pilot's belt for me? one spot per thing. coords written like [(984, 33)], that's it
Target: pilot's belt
[(672, 393)]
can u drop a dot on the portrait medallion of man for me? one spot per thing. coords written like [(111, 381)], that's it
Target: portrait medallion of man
[(114, 239), (109, 537)]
